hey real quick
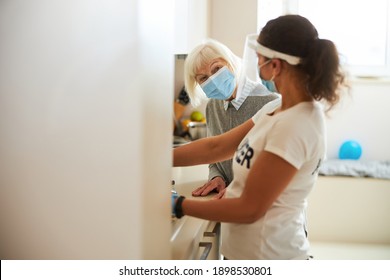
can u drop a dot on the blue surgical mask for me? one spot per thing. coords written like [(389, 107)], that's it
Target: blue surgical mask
[(220, 85), (269, 84)]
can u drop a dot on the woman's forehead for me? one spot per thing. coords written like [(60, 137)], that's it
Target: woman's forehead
[(207, 65)]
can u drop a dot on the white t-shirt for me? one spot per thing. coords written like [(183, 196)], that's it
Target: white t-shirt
[(298, 136)]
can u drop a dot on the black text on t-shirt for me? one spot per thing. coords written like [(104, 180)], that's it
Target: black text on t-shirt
[(244, 154)]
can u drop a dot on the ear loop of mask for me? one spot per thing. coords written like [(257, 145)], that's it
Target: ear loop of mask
[(269, 84), (262, 65)]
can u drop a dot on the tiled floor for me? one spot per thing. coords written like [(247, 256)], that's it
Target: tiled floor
[(345, 251)]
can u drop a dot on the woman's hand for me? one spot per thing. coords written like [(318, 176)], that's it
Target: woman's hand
[(216, 184)]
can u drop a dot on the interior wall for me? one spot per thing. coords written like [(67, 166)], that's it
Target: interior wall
[(191, 19), (231, 21), (362, 115)]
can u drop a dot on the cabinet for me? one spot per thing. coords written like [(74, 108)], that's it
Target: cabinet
[(210, 243), (191, 24), (193, 238)]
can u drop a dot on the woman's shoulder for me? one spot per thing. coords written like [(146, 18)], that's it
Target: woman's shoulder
[(307, 110), (268, 108), (302, 119)]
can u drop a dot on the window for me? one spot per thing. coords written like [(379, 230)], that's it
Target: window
[(359, 28)]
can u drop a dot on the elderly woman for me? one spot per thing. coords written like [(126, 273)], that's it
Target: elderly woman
[(212, 70)]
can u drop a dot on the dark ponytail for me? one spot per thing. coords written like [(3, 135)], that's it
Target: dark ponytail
[(322, 67)]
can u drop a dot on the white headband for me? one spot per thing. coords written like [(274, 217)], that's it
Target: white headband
[(267, 52)]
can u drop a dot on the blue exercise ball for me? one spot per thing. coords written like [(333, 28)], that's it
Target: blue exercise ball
[(350, 150)]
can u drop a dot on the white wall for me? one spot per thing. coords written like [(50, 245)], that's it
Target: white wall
[(85, 119), (231, 21), (365, 117)]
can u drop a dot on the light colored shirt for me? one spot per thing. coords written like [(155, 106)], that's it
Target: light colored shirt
[(298, 136)]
